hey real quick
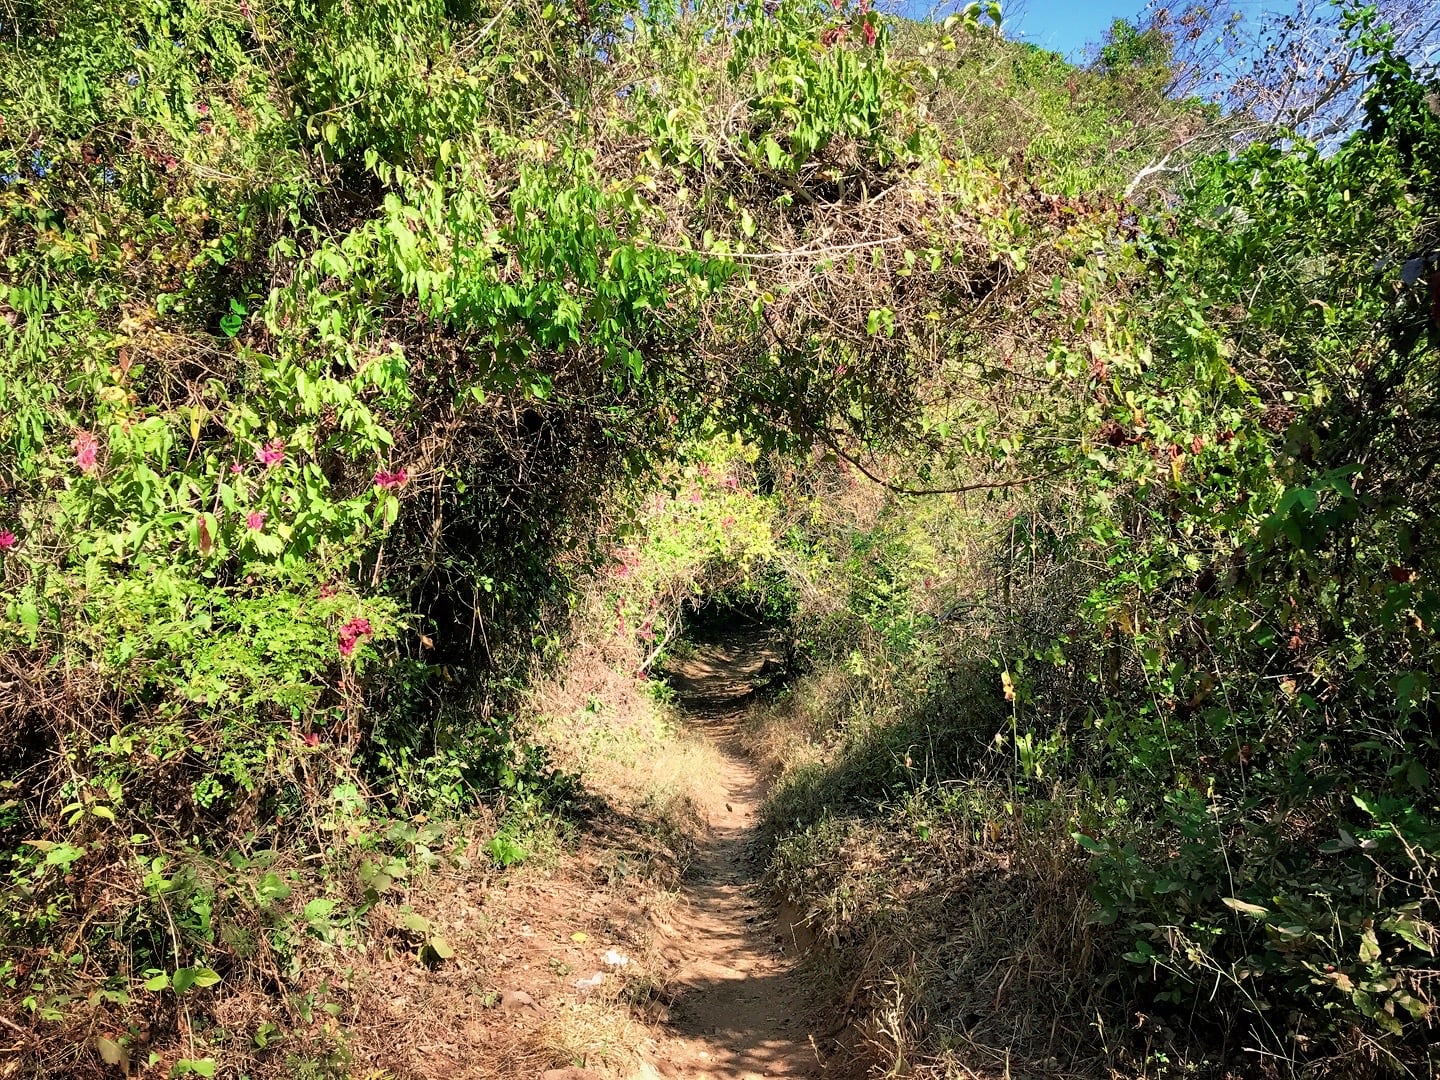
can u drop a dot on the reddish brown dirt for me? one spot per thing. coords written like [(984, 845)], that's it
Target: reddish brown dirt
[(741, 1007), (711, 990)]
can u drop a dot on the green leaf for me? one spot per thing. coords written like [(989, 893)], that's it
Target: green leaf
[(187, 977), (1410, 929), (318, 910)]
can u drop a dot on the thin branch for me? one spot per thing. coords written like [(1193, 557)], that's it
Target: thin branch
[(979, 485), (797, 252)]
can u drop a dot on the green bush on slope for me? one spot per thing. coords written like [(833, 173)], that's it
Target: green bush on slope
[(1208, 633), (330, 331)]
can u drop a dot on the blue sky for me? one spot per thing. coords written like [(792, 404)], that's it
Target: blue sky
[(1065, 26)]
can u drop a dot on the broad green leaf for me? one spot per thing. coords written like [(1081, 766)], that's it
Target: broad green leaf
[(441, 948)]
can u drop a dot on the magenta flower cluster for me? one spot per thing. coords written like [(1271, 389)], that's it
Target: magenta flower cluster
[(351, 633), (272, 453), (389, 481), (87, 449)]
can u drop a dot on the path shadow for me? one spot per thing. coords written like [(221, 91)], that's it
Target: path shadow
[(740, 1009)]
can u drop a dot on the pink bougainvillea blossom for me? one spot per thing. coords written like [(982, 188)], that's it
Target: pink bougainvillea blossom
[(351, 633), (86, 449), (255, 519), (7, 540), (237, 469), (272, 453), (389, 481)]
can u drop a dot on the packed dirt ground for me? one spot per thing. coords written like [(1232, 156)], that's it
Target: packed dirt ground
[(641, 946)]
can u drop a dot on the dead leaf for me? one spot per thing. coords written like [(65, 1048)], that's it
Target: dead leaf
[(112, 1053), (515, 1000)]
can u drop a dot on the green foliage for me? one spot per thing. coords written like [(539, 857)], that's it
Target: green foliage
[(1210, 621), (1256, 636), (1127, 46), (348, 350)]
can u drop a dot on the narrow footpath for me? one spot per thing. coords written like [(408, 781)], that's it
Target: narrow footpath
[(742, 1007)]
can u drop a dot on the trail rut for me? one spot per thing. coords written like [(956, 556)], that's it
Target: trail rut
[(742, 1007)]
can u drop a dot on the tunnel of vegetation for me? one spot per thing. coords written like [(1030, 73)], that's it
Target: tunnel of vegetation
[(363, 360)]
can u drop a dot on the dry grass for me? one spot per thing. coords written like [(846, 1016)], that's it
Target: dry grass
[(957, 938), (789, 732), (627, 744)]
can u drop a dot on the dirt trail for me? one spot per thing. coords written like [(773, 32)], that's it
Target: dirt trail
[(742, 1007)]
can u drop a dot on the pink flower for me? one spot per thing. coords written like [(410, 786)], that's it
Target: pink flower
[(236, 469), (328, 590), (869, 33), (202, 109), (389, 481), (7, 540), (312, 739), (272, 453), (255, 519), (86, 448), (696, 497), (351, 633), (729, 521)]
